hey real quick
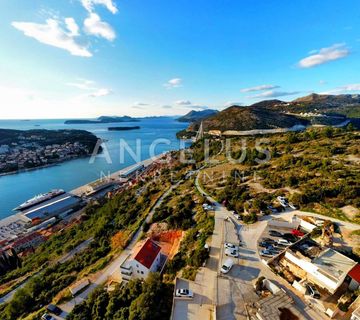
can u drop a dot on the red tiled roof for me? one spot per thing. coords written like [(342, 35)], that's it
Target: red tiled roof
[(355, 273), (27, 239), (148, 253)]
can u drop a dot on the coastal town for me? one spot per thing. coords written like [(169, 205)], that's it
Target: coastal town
[(179, 160), (34, 150), (261, 257)]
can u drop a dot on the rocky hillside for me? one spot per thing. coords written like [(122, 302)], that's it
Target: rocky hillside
[(193, 115), (249, 118), (344, 104)]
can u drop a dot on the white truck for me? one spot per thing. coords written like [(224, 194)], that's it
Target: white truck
[(77, 287)]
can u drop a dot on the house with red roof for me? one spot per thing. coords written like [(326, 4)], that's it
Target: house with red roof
[(145, 258), (354, 274)]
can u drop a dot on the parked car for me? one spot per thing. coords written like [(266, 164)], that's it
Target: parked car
[(269, 240), (290, 237), (231, 253), (266, 253), (292, 206), (274, 250), (313, 291), (297, 233), (283, 201), (237, 216), (272, 209), (264, 244), (46, 316), (208, 207), (185, 293), (54, 309), (229, 245), (226, 267), (319, 223), (284, 242), (275, 233)]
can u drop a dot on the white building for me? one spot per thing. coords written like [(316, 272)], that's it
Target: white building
[(356, 314), (328, 270), (146, 258)]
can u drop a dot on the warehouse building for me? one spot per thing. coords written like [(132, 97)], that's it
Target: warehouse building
[(59, 207)]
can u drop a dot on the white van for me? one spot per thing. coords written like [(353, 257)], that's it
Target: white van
[(227, 265), (284, 242)]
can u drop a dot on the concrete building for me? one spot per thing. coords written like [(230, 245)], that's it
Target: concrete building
[(31, 240), (99, 185), (356, 314), (328, 270), (146, 258), (354, 274), (58, 206), (277, 306), (13, 227)]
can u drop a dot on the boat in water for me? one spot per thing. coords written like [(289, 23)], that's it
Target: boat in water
[(39, 199)]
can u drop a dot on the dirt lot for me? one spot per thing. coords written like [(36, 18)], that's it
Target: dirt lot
[(169, 240)]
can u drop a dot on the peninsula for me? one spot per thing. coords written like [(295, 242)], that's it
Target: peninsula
[(24, 150), (102, 119)]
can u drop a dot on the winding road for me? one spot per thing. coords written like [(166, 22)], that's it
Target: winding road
[(114, 266)]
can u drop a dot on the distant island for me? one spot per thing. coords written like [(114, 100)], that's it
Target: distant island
[(102, 119), (29, 149), (123, 128)]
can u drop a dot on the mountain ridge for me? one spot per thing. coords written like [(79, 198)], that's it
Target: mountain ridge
[(194, 115)]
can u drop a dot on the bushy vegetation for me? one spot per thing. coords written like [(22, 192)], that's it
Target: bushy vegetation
[(150, 300), (179, 217), (181, 212), (101, 221), (317, 167), (9, 261)]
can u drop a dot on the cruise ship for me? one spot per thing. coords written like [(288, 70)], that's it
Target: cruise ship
[(39, 199)]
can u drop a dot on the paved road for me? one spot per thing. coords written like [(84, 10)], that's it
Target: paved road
[(235, 290), (289, 213), (63, 259), (114, 266), (82, 246), (205, 284)]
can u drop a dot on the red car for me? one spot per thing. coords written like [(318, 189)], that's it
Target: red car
[(297, 233)]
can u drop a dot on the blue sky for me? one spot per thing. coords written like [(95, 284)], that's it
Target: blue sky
[(86, 58)]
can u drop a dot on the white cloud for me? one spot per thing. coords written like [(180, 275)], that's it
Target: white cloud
[(348, 88), (83, 84), (183, 103), (72, 26), (324, 55), (260, 88), (173, 83), (351, 87), (233, 103), (273, 94), (140, 105), (198, 107), (109, 4), (52, 33), (94, 26), (89, 85), (100, 93)]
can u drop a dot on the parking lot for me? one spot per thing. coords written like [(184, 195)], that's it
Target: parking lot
[(235, 290), (275, 239)]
